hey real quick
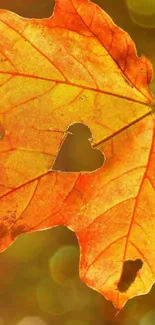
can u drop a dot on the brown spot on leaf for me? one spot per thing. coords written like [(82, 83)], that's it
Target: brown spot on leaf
[(2, 132), (3, 230), (17, 230)]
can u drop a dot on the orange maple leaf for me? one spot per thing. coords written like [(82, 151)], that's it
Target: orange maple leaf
[(79, 66)]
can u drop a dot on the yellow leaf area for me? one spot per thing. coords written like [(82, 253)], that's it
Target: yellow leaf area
[(78, 66)]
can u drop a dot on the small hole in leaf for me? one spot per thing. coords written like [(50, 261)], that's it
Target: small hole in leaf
[(129, 273), (76, 153)]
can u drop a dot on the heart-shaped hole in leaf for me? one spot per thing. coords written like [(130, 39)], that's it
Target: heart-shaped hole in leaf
[(129, 273), (76, 153)]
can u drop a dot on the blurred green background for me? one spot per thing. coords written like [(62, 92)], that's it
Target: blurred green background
[(39, 282)]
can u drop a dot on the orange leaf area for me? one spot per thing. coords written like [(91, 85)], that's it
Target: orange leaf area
[(79, 66)]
